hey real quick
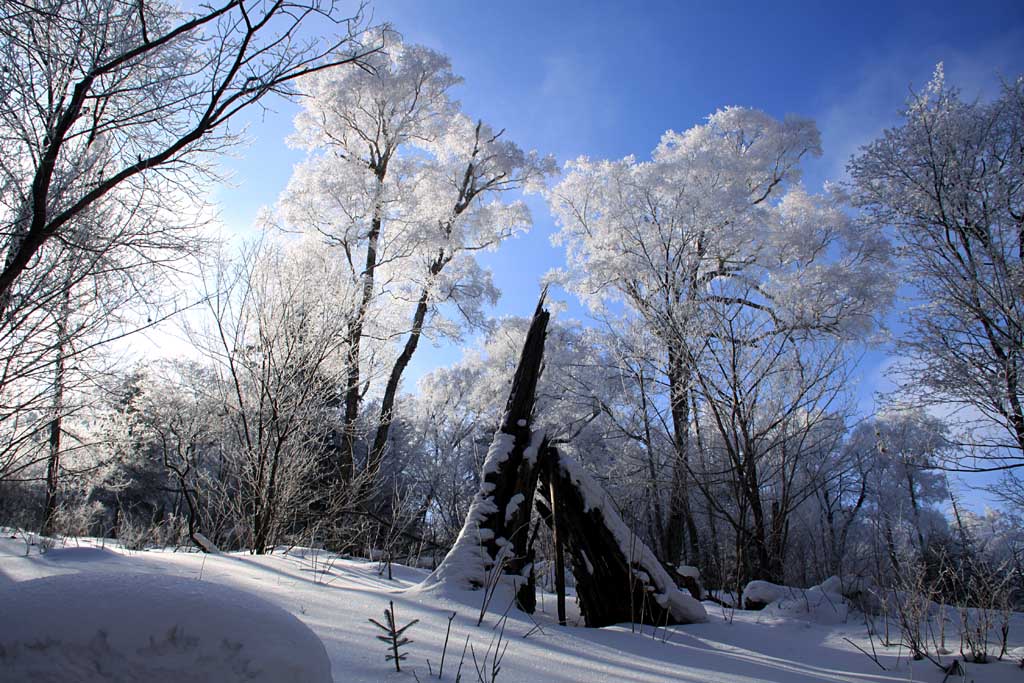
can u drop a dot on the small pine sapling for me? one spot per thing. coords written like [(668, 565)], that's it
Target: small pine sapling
[(394, 638)]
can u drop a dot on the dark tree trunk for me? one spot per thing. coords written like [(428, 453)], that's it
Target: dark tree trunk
[(53, 458), (387, 406), (518, 474), (353, 395)]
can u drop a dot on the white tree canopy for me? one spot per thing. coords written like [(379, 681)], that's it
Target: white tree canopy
[(717, 219)]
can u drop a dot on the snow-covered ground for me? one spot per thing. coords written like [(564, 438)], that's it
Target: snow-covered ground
[(335, 597)]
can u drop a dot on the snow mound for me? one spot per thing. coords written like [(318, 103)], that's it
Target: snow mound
[(823, 604), (110, 626), (759, 594), (812, 604)]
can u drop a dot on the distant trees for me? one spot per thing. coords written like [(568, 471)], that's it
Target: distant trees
[(903, 448), (948, 181), (275, 340), (769, 414)]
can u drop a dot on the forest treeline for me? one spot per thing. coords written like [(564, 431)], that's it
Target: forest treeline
[(711, 388)]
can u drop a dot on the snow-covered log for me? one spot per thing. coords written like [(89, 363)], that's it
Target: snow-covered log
[(618, 578)]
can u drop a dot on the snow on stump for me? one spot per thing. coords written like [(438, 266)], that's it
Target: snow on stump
[(93, 627), (689, 578)]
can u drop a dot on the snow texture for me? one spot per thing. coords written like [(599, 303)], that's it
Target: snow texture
[(335, 595), (682, 606), (112, 626)]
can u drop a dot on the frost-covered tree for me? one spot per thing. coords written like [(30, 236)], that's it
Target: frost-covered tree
[(948, 181), (112, 114), (404, 188), (174, 422), (118, 102), (275, 341), (713, 224), (901, 450), (769, 412)]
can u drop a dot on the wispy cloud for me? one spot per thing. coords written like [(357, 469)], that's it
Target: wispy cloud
[(864, 104)]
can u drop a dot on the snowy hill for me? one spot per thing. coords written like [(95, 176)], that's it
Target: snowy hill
[(132, 598)]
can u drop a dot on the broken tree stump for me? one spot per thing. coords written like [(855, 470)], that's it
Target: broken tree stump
[(618, 578), (494, 537)]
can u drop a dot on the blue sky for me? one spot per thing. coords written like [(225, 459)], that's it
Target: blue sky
[(607, 79)]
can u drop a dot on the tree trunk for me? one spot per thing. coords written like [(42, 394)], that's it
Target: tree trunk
[(680, 525), (353, 395), (53, 459), (387, 406)]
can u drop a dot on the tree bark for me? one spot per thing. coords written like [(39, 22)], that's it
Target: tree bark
[(680, 525)]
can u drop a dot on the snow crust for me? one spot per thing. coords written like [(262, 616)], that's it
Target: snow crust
[(113, 626)]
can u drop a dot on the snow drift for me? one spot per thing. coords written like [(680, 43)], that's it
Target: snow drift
[(113, 626)]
